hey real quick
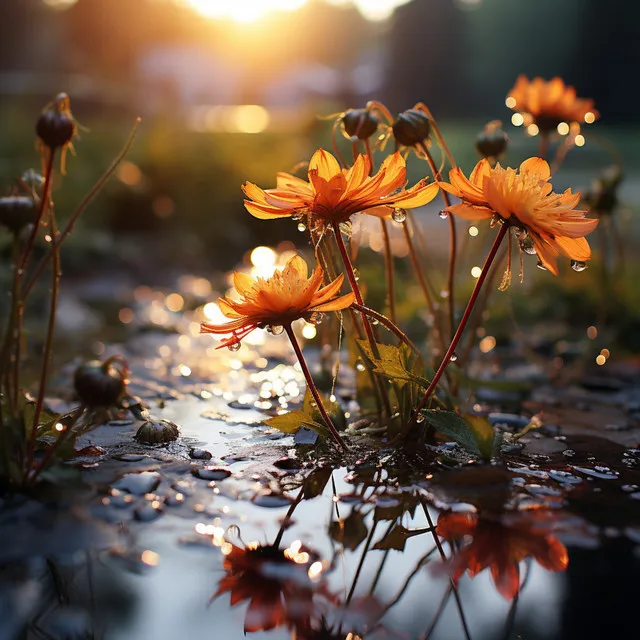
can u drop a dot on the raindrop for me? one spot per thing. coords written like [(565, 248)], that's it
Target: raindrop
[(399, 215), (576, 265), (360, 365), (345, 227), (275, 329), (541, 266), (454, 357), (444, 214), (526, 244), (316, 318), (302, 226), (419, 419), (356, 274), (234, 346), (374, 321)]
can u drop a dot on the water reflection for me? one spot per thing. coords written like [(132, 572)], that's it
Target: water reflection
[(500, 543)]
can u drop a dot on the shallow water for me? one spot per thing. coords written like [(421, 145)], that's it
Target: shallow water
[(159, 542)]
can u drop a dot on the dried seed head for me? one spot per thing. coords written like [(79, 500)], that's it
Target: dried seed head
[(360, 123), (16, 212), (99, 384), (492, 140), (411, 128), (56, 125)]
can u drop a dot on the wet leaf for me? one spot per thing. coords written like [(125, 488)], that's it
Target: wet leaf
[(290, 423), (396, 362), (350, 532), (473, 433), (397, 538)]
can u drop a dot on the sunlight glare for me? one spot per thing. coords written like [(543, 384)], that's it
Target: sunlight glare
[(243, 10)]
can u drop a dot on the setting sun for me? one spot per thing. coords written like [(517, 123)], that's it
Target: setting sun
[(243, 10)]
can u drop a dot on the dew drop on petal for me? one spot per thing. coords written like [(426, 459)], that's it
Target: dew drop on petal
[(576, 265), (275, 329), (541, 266), (399, 215)]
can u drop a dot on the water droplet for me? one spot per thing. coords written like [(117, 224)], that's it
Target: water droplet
[(234, 346), (526, 244), (444, 293), (419, 418), (302, 226), (576, 265), (444, 214), (316, 317), (454, 357), (541, 266), (345, 227), (356, 274), (275, 329), (399, 215), (360, 365), (374, 321)]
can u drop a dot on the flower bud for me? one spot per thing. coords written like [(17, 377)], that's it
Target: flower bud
[(16, 212), (412, 127), (99, 384), (56, 125), (492, 140), (360, 123)]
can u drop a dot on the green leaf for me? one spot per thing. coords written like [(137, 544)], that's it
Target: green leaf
[(473, 433), (290, 422), (396, 362)]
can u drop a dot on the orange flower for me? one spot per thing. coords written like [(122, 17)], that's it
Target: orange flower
[(547, 104), (525, 199), (333, 194), (501, 545), (277, 301), (275, 582)]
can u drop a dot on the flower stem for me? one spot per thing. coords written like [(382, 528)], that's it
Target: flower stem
[(544, 146), (451, 270), (389, 325), (314, 390), (84, 203), (504, 228), (48, 346), (356, 291)]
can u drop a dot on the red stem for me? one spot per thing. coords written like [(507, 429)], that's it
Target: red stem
[(504, 228), (314, 390)]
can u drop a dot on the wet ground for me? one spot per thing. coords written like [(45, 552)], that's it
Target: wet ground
[(235, 527)]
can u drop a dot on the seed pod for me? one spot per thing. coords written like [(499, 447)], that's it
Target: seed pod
[(16, 212), (157, 432), (492, 140), (360, 123), (100, 384), (411, 128), (56, 125)]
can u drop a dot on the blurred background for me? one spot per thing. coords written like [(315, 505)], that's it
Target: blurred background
[(231, 90)]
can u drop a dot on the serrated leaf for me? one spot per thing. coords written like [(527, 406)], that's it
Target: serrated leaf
[(473, 433), (290, 422), (397, 538), (395, 362)]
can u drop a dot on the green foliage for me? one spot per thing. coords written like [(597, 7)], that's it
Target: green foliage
[(309, 417), (474, 433)]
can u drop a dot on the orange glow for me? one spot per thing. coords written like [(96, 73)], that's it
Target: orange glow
[(242, 11)]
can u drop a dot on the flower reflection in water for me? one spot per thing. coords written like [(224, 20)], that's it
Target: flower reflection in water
[(500, 542), (280, 585)]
